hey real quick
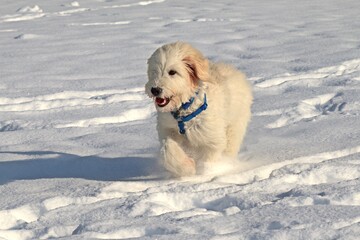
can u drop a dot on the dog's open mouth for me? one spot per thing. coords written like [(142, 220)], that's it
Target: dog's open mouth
[(162, 102)]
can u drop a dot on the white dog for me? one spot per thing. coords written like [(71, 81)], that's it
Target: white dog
[(203, 107)]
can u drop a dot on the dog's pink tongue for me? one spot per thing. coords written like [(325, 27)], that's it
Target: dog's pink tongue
[(160, 100)]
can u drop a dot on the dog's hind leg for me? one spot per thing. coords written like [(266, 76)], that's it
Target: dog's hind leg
[(175, 160), (235, 134)]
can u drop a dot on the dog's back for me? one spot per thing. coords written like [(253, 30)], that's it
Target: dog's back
[(236, 104)]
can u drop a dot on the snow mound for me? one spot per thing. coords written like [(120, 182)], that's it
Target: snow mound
[(29, 9), (27, 36)]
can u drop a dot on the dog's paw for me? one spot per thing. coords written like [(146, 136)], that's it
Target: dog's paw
[(175, 159)]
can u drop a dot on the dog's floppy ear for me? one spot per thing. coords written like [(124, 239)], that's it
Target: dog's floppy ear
[(197, 66)]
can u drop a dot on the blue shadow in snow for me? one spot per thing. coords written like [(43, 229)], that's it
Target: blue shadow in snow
[(73, 166)]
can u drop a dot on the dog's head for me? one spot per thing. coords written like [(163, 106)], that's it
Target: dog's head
[(174, 74)]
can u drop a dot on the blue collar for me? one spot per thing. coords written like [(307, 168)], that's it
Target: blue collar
[(182, 119)]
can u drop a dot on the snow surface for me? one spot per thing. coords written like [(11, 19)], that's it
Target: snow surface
[(78, 140)]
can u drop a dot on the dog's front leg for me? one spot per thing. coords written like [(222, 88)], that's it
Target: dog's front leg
[(175, 160)]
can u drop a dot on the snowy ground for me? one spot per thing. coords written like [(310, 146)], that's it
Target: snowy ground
[(78, 140)]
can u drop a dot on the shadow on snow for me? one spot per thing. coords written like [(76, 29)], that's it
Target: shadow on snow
[(73, 166)]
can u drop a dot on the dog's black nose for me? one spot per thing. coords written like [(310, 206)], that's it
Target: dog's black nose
[(156, 91)]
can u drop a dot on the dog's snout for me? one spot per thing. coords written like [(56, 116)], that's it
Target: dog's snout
[(156, 91)]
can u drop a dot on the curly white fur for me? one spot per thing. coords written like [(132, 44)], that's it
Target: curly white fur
[(217, 131)]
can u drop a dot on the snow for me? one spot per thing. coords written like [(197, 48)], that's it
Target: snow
[(78, 150)]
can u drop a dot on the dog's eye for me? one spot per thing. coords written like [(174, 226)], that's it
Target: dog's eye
[(172, 72)]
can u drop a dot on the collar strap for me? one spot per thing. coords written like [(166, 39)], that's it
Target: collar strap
[(186, 105), (182, 119)]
